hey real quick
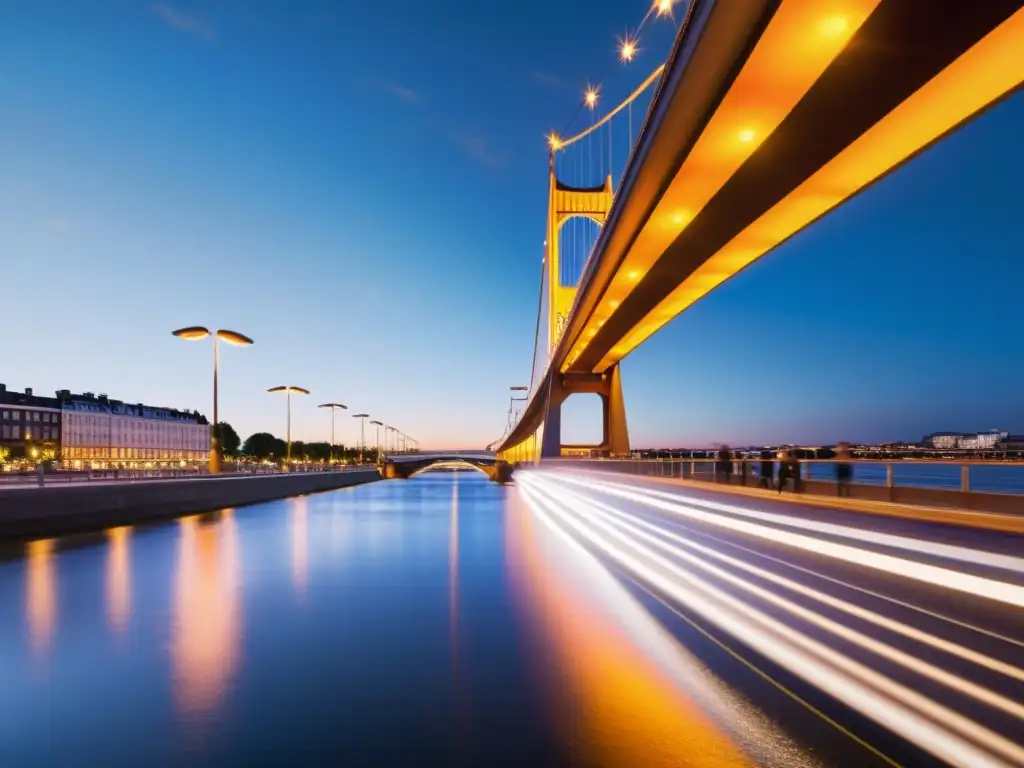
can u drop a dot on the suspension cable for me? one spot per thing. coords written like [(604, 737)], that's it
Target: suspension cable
[(536, 330)]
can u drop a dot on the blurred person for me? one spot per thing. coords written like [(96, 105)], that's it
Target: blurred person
[(767, 471), (844, 469), (723, 465), (794, 470), (784, 467)]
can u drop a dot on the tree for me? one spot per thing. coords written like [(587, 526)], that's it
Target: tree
[(318, 451), (4, 453), (263, 445), (228, 438)]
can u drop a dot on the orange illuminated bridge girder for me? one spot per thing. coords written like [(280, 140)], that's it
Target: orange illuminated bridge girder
[(898, 49), (769, 115)]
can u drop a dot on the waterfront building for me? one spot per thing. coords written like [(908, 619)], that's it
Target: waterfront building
[(965, 441), (30, 424), (100, 433)]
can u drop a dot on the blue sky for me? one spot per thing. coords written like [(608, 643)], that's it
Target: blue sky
[(361, 188)]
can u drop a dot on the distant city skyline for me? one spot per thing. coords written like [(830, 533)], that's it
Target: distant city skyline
[(369, 209)]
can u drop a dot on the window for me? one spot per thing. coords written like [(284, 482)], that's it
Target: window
[(6, 432), (16, 432)]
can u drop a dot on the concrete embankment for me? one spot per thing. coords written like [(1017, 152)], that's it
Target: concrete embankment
[(72, 508)]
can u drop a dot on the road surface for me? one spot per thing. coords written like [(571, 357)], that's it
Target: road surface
[(904, 638)]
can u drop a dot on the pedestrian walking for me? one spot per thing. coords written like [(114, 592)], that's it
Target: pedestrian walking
[(767, 471), (723, 465), (844, 469)]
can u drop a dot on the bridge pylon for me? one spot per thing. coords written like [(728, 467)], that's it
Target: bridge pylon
[(594, 203), (564, 203), (608, 386)]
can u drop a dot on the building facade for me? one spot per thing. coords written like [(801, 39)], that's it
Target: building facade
[(101, 433), (30, 425), (965, 441)]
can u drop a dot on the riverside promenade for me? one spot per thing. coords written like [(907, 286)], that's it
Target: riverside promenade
[(60, 508)]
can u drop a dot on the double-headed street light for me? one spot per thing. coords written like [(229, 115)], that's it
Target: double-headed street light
[(378, 425), (335, 407), (289, 391), (198, 333), (362, 432)]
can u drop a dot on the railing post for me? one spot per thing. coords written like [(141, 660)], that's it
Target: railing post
[(965, 478)]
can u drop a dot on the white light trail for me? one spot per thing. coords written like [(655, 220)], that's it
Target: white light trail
[(930, 574), (948, 551), (623, 522), (849, 681)]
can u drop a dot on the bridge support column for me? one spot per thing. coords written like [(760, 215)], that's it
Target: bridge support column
[(608, 386)]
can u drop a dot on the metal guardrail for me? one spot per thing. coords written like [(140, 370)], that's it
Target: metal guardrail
[(939, 474), (64, 476)]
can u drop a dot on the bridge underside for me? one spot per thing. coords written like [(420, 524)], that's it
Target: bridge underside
[(770, 114), (499, 471)]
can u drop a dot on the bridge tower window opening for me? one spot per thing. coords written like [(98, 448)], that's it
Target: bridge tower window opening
[(582, 422)]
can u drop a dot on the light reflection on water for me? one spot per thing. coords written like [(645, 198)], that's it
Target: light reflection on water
[(118, 578), (396, 620), (41, 595), (617, 705), (300, 544), (207, 626)]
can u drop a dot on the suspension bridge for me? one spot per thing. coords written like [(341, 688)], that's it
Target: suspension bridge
[(766, 115)]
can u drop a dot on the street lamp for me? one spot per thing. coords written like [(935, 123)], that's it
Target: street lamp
[(387, 430), (335, 407), (198, 333), (289, 391), (362, 432), (378, 425)]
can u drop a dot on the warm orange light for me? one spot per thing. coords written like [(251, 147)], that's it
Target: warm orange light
[(233, 337), (613, 303), (41, 593), (206, 626), (834, 26), (982, 75), (625, 709), (590, 97), (664, 7), (778, 73), (289, 390), (118, 579), (192, 333), (633, 274), (300, 545), (627, 50), (555, 143)]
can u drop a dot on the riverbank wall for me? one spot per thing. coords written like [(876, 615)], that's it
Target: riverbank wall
[(37, 512)]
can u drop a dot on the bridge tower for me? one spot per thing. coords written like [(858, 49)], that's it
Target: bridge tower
[(564, 203), (594, 203)]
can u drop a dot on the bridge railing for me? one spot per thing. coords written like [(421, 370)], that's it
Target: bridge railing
[(992, 486)]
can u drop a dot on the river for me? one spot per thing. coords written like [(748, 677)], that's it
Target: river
[(428, 621)]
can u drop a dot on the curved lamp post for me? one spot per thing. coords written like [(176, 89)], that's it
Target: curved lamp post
[(387, 445), (289, 391), (378, 425), (362, 432), (198, 333), (335, 407)]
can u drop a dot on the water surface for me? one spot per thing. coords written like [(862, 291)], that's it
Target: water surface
[(398, 623)]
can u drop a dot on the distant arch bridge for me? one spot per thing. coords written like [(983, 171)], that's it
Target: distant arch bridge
[(404, 467)]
